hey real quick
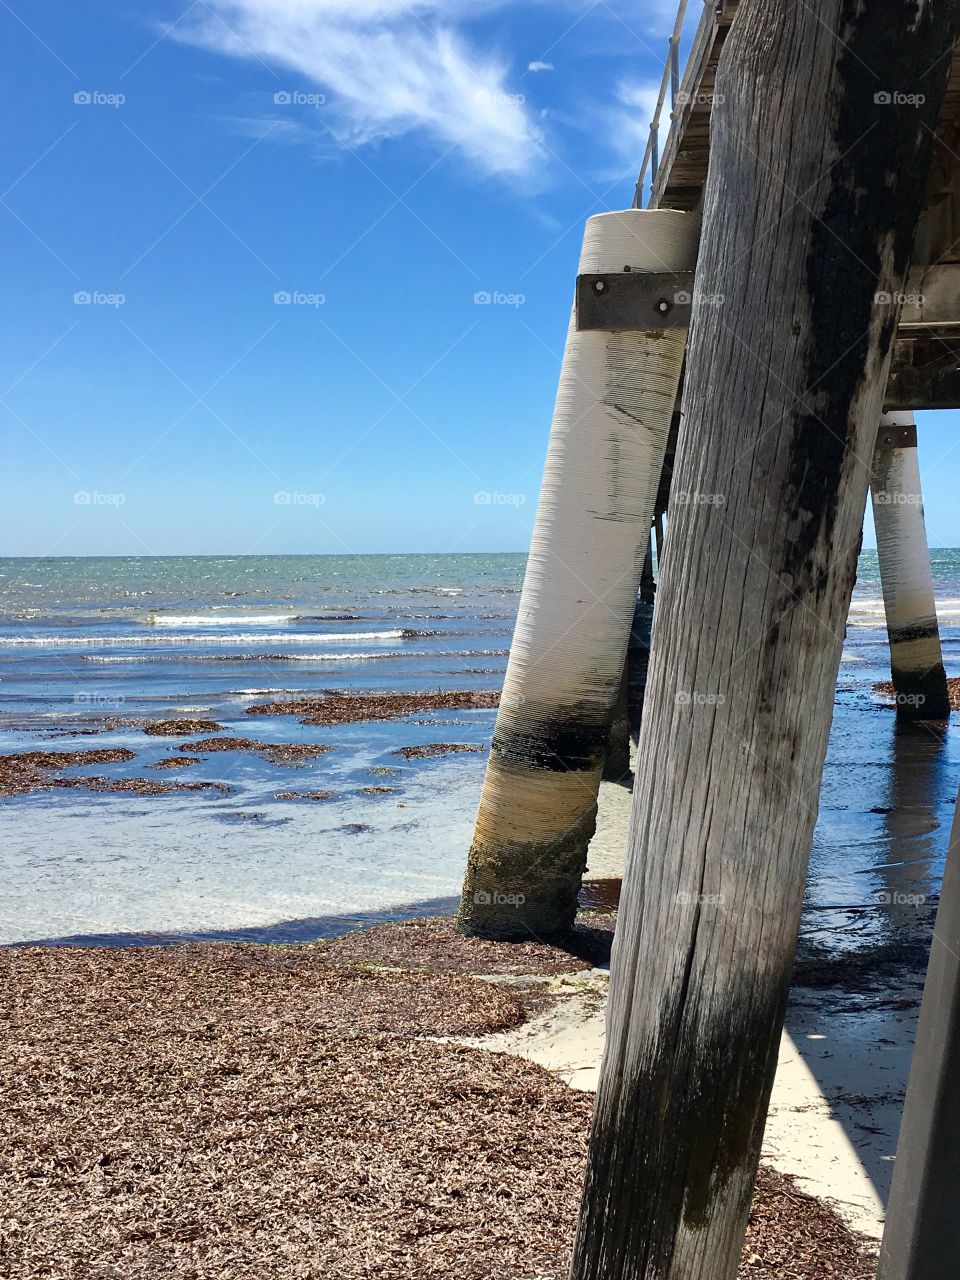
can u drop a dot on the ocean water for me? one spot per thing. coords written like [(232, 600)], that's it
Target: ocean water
[(138, 638)]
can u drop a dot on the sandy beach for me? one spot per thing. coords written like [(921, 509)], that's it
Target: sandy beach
[(281, 1110), (397, 1101)]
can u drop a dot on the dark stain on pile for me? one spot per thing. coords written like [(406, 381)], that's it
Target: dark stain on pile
[(953, 692), (251, 1112)]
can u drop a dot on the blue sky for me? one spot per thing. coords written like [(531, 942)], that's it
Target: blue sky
[(380, 163)]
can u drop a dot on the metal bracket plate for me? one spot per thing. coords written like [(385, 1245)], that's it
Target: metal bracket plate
[(634, 300), (897, 437)]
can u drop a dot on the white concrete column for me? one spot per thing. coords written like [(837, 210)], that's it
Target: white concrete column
[(607, 443), (916, 660)]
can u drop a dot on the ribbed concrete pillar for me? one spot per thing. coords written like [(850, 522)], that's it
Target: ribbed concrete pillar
[(610, 428), (916, 660), (921, 1240)]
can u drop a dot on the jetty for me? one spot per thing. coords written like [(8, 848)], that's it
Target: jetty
[(747, 347)]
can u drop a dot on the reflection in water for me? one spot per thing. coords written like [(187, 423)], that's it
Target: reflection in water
[(885, 811), (918, 784)]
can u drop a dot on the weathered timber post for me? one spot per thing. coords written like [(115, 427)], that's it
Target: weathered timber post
[(638, 656), (916, 660), (616, 764), (610, 426), (629, 705), (921, 1239), (810, 208)]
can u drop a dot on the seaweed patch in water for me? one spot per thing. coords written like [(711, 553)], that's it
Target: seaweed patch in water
[(275, 752), (351, 708), (181, 728), (305, 795), (428, 750)]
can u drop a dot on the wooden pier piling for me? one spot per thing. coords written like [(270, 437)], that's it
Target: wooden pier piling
[(921, 1239), (810, 210)]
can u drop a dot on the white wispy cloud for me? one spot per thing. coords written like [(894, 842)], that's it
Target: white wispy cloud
[(626, 125), (387, 68)]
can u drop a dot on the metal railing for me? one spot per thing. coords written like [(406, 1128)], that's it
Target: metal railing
[(671, 80)]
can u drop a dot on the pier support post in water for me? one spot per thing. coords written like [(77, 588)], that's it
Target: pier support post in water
[(610, 427), (916, 661), (810, 210), (616, 764), (921, 1239)]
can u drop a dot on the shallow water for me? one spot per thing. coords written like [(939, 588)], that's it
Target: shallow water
[(132, 638)]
